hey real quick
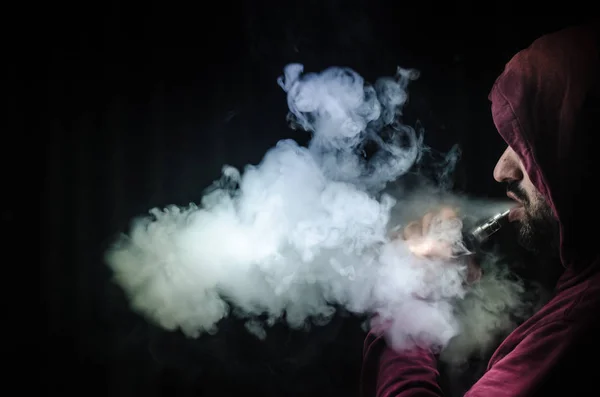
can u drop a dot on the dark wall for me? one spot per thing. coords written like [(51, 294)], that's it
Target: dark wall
[(140, 106)]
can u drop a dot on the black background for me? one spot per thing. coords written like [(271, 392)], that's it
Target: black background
[(140, 105)]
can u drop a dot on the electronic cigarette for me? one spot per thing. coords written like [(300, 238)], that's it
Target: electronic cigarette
[(482, 232)]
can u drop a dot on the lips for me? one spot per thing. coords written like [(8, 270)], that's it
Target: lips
[(516, 214), (512, 196)]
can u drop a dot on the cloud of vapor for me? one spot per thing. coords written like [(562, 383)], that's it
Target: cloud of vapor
[(304, 231)]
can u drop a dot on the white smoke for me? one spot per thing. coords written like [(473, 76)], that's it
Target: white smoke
[(302, 232)]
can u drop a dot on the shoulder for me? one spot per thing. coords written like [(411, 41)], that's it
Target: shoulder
[(581, 302), (573, 309), (571, 312)]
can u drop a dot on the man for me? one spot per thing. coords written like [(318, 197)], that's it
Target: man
[(546, 106)]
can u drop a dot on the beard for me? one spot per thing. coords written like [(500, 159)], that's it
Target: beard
[(538, 234), (539, 231)]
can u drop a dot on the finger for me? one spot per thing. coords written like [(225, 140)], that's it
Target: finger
[(426, 222), (442, 217), (438, 250), (412, 230), (430, 249), (446, 213)]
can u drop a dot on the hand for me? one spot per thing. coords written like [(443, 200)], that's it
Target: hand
[(435, 235)]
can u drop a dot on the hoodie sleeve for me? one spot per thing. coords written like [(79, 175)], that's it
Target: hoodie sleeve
[(521, 372), (386, 373)]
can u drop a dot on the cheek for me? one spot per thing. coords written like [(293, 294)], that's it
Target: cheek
[(535, 208), (532, 203), (530, 191)]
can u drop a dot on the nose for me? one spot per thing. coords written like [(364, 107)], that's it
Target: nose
[(508, 167)]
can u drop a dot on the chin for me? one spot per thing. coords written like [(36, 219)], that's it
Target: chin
[(526, 234)]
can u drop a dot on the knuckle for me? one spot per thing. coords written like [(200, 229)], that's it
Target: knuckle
[(412, 230)]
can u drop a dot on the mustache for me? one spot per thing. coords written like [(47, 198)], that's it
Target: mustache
[(516, 189)]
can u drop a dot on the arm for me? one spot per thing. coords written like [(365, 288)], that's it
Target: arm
[(386, 373), (522, 372)]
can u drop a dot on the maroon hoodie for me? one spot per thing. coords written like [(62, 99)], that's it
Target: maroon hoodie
[(546, 106)]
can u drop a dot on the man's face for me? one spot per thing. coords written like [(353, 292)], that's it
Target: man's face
[(537, 226)]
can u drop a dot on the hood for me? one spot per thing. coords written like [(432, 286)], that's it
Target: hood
[(546, 106)]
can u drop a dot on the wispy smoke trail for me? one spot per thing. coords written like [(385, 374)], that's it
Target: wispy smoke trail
[(302, 232)]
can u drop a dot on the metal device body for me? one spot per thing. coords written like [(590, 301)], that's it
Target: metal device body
[(481, 233)]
